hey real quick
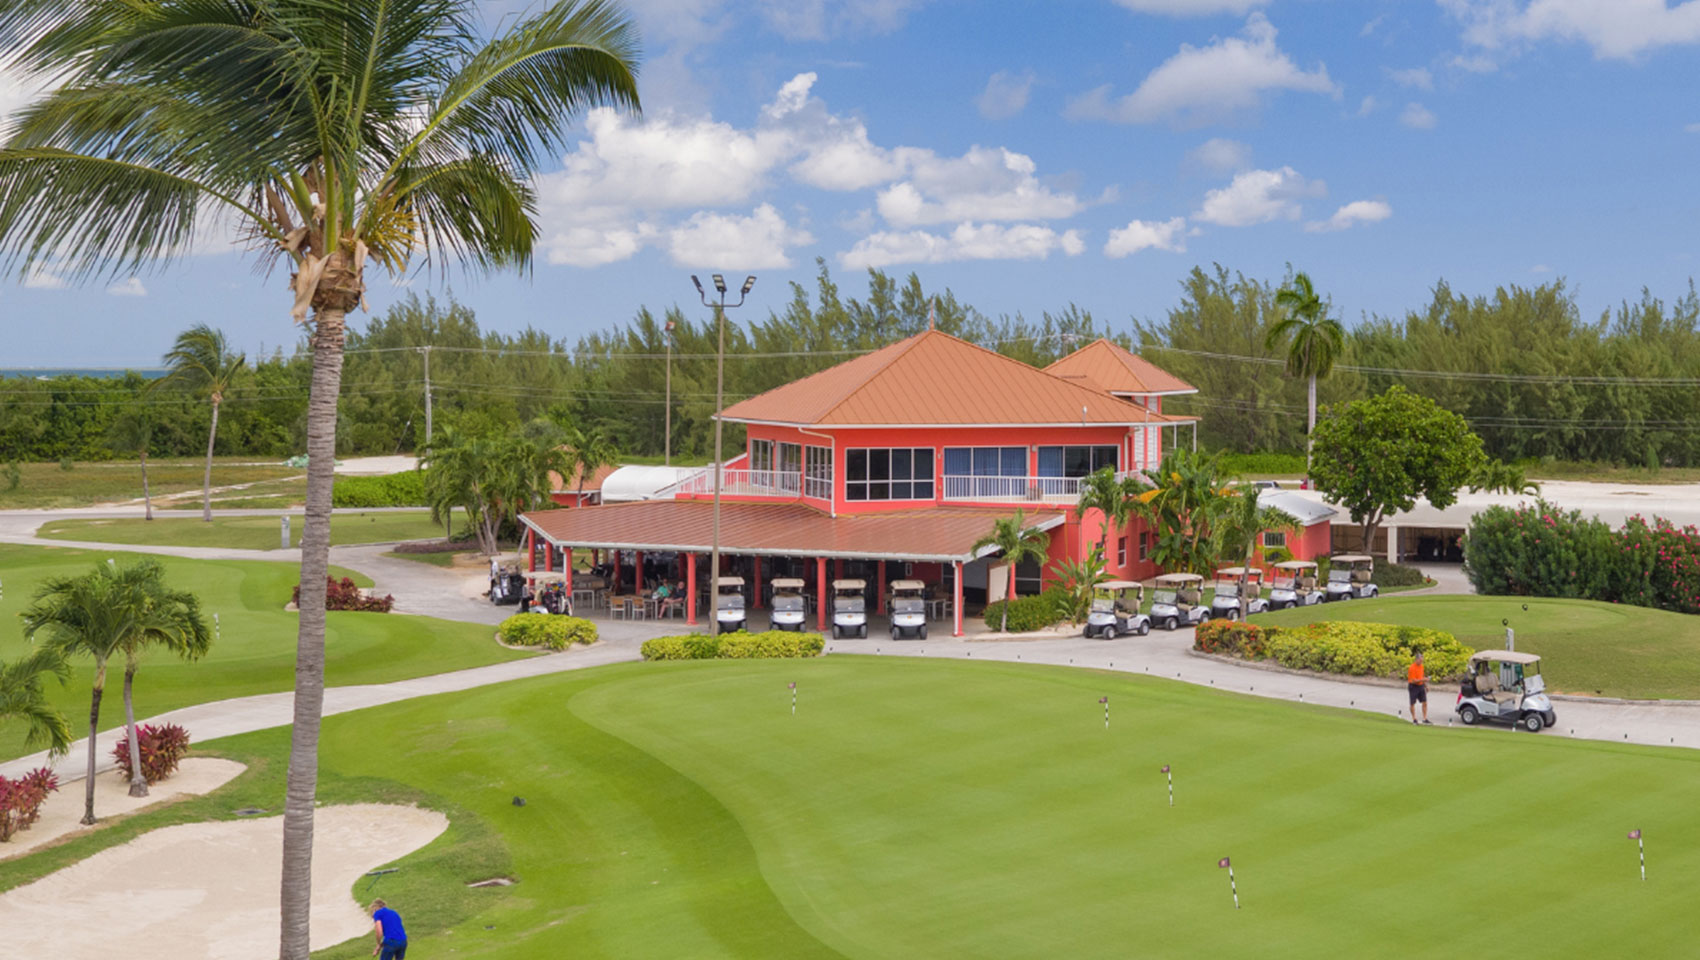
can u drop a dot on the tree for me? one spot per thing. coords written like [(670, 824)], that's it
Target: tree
[(1313, 339), (132, 432), (1240, 520), (587, 452), (162, 617), (324, 133), (1185, 496), (1379, 455), (1079, 578), (1113, 497), (1018, 545), (22, 698), (201, 362), (491, 478)]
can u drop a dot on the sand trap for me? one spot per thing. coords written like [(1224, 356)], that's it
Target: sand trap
[(209, 889), (62, 811)]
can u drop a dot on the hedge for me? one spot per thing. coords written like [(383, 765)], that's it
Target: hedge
[(1027, 614), (1338, 646), (405, 489), (739, 645), (1397, 575), (548, 630)]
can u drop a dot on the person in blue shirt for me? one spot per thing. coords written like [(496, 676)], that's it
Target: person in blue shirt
[(392, 937)]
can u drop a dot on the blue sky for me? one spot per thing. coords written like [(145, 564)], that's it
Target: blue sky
[(1029, 155)]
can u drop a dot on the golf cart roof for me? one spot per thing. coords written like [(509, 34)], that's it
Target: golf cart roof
[(1237, 571), (729, 581), (1121, 585), (1180, 578), (908, 585), (787, 583), (1504, 656), (1353, 558), (547, 576), (849, 584), (1296, 565)]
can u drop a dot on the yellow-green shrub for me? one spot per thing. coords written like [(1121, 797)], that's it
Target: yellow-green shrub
[(768, 645), (547, 630), (1367, 649)]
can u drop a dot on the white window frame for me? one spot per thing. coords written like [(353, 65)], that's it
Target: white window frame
[(917, 456), (1274, 538)]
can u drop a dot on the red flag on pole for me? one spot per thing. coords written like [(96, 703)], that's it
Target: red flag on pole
[(1103, 699), (1634, 834), (1222, 862), (1165, 769)]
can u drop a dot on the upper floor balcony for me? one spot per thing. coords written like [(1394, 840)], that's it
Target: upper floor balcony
[(793, 485)]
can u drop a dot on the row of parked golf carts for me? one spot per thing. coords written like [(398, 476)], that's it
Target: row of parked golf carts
[(789, 609), (1177, 599)]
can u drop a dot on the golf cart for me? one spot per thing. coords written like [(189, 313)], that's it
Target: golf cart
[(1294, 585), (1348, 577), (1175, 601), (789, 610), (1115, 610), (849, 609), (1226, 602), (1505, 686), (729, 614), (908, 609)]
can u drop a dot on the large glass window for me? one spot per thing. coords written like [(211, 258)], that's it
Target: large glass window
[(985, 473), (1076, 461), (817, 478), (761, 454), (901, 473), (790, 458)]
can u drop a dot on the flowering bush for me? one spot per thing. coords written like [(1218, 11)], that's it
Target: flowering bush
[(768, 645), (1661, 565), (1541, 551), (1234, 638), (162, 749), (344, 595), (548, 630), (21, 800), (1368, 649)]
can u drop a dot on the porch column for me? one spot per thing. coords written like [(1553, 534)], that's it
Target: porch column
[(691, 589), (823, 598), (637, 574), (956, 602), (1392, 543), (530, 550), (755, 595), (548, 556), (879, 591), (567, 568), (614, 588)]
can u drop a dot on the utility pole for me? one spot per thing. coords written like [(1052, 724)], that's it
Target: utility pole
[(425, 352), (719, 404), (668, 455)]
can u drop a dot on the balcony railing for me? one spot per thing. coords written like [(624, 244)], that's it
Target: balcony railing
[(1012, 489), (742, 483)]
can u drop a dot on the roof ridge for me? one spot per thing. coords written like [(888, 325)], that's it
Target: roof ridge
[(907, 344)]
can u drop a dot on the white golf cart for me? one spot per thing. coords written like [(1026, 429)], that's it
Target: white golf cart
[(1348, 577), (789, 609), (729, 613), (908, 609), (1176, 601), (1226, 602), (849, 609), (1115, 610), (1506, 687), (1294, 585)]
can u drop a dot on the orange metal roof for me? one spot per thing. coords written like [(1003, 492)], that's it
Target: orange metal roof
[(935, 534), (1113, 369), (592, 483), (933, 378)]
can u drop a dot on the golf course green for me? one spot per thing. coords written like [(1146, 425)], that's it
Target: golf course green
[(916, 808), (246, 533), (1586, 647), (255, 649)]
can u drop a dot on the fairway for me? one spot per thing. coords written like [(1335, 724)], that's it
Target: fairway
[(46, 485), (255, 651), (246, 533), (1588, 648)]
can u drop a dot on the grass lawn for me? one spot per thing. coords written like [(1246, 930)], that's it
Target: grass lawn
[(1586, 647), (45, 485), (251, 533), (255, 651), (443, 559), (919, 808), (1608, 472)]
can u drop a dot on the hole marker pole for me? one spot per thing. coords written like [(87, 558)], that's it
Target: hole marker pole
[(1171, 776), (1641, 845), (1232, 887), (1106, 702), (793, 698)]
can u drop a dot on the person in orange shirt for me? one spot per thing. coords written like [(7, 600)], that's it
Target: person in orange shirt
[(1416, 683)]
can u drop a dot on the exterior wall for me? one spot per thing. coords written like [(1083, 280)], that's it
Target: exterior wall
[(1310, 543)]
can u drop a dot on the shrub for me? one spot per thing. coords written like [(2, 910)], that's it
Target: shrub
[(21, 800), (162, 749), (1367, 649), (1660, 565), (391, 490), (739, 645), (1397, 575), (547, 630), (1027, 614), (344, 595), (1234, 638), (1542, 551)]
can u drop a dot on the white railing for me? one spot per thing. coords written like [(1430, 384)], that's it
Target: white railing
[(1012, 489), (742, 483)]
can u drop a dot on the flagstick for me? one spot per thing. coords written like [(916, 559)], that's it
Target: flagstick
[(1170, 774), (793, 698), (1106, 702), (1233, 887), (1642, 846)]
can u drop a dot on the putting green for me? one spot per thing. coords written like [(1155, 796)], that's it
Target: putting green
[(1603, 649), (247, 533), (919, 808)]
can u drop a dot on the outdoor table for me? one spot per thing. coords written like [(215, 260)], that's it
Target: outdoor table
[(938, 608)]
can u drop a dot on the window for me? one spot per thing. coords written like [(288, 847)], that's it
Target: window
[(1274, 538), (1144, 551), (817, 482), (1121, 552), (761, 454), (1029, 579), (985, 473), (790, 458), (899, 473), (1076, 461)]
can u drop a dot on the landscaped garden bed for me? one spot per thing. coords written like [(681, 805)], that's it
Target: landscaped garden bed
[(1337, 646)]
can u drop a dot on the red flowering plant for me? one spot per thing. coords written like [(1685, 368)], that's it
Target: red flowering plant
[(21, 800)]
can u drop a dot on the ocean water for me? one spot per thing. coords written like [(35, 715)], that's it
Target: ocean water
[(48, 373)]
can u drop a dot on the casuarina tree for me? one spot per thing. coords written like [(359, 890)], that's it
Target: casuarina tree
[(324, 135)]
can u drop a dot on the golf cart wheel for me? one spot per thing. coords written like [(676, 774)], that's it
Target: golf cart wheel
[(1467, 714), (1232, 615), (862, 632), (896, 634), (923, 631), (1533, 722), (835, 635), (1169, 624), (1144, 628)]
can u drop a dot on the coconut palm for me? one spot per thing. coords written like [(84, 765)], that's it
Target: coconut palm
[(201, 362), (166, 619), (22, 698), (1018, 545), (1240, 520), (1312, 339), (587, 452), (1103, 491), (324, 134), (132, 432)]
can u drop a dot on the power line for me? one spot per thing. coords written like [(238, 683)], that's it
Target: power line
[(1451, 374)]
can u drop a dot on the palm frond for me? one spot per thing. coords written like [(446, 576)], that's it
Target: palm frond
[(469, 210)]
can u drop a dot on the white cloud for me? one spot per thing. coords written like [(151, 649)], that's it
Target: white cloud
[(1692, 128), (41, 278), (1142, 235), (1473, 64), (1021, 241), (1371, 26), (1540, 268), (1417, 117), (1202, 84), (1367, 106), (1416, 78), (1613, 28), (1259, 196), (1220, 155), (982, 184), (1352, 214), (1005, 95), (131, 287), (755, 242), (1191, 8)]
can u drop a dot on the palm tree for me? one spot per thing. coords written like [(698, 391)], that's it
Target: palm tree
[(132, 432), (1080, 578), (1102, 491), (325, 134), (22, 698), (1240, 520), (587, 452), (1018, 545), (1313, 340), (202, 363), (1180, 508), (164, 618)]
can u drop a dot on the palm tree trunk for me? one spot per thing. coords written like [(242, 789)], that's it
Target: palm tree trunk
[(147, 498), (206, 479), (328, 339), (94, 727), (1008, 598), (1310, 425), (138, 781)]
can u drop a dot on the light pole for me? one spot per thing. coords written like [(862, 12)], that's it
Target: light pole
[(719, 402), (668, 443)]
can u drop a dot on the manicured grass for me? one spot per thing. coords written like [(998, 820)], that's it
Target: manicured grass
[(1586, 647), (443, 559), (255, 650), (918, 808), (45, 485), (1608, 472), (251, 533)]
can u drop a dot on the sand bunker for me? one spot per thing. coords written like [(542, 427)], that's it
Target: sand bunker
[(209, 889), (61, 814)]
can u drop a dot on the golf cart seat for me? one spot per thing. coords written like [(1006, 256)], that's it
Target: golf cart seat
[(1189, 596), (1360, 576), (1307, 583)]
